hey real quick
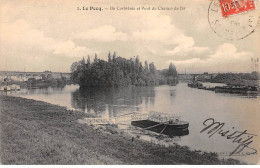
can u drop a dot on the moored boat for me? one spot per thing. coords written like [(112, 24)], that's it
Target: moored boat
[(171, 128), (202, 87), (237, 89), (167, 124), (195, 84)]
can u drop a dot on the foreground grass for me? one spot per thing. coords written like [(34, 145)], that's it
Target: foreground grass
[(34, 132)]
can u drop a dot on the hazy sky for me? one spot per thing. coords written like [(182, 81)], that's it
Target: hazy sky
[(52, 34)]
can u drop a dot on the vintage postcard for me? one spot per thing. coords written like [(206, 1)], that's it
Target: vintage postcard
[(134, 82)]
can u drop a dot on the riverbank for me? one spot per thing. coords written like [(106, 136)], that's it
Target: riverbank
[(35, 132)]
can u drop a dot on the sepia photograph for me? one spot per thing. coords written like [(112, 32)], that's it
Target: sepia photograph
[(134, 82)]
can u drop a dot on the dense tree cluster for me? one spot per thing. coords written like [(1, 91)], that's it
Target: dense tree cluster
[(120, 72), (46, 81), (227, 77)]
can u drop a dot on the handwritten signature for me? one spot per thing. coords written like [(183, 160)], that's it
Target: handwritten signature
[(243, 139)]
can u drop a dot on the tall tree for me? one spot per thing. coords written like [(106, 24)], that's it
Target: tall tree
[(109, 57), (152, 68), (74, 66), (172, 70), (83, 61), (137, 61), (114, 57), (96, 58), (146, 66), (88, 61)]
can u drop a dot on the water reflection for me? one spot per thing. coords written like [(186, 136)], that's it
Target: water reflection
[(46, 90), (113, 102)]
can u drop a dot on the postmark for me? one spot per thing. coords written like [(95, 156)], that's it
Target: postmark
[(235, 26), (232, 7)]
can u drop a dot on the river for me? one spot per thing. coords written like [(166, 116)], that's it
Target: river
[(238, 112)]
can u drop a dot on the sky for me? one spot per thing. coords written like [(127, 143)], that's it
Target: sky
[(51, 35)]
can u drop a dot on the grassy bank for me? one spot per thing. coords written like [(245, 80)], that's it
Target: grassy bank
[(34, 132)]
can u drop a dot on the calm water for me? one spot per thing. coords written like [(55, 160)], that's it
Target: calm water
[(193, 105)]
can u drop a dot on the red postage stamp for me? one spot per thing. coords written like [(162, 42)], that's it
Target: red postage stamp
[(231, 7)]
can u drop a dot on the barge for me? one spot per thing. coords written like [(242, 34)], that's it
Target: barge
[(163, 124), (195, 84), (179, 128), (237, 89)]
